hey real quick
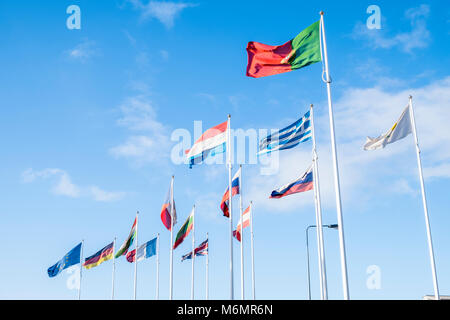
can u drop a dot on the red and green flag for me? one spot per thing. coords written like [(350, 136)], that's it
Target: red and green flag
[(126, 245), (184, 230), (303, 50)]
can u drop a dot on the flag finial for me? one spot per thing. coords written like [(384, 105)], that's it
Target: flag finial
[(321, 13), (229, 116)]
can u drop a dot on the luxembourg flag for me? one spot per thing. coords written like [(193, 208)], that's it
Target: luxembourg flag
[(235, 189), (302, 184), (213, 141)]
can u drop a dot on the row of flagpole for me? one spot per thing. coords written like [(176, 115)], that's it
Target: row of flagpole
[(317, 202)]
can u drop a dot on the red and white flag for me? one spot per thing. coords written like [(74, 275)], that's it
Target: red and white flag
[(166, 215), (241, 225)]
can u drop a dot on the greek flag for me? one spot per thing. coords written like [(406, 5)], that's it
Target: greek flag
[(289, 137)]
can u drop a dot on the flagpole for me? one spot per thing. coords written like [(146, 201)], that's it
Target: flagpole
[(336, 170), (322, 268), (242, 235), (230, 211), (207, 268), (114, 269), (171, 241), (193, 252), (424, 201), (135, 256), (157, 266), (81, 268), (253, 250)]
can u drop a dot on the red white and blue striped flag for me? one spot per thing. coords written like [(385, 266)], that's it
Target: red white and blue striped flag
[(302, 184), (213, 141), (235, 189)]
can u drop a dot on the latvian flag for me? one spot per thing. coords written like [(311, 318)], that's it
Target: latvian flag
[(201, 250), (302, 184), (235, 185), (213, 141), (240, 226)]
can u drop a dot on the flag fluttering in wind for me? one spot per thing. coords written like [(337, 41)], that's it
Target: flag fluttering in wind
[(71, 258), (166, 215), (213, 141), (126, 245), (399, 130), (201, 250), (289, 137), (184, 230), (99, 257), (145, 251), (242, 225), (302, 184), (303, 50), (235, 184)]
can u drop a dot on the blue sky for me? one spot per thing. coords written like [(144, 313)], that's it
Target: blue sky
[(87, 117)]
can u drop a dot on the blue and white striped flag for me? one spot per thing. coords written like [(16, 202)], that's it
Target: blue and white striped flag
[(289, 137)]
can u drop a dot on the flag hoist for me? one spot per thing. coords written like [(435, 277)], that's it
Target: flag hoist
[(230, 204), (321, 250), (405, 125), (307, 48), (337, 187)]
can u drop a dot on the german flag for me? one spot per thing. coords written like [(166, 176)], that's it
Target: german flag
[(103, 255)]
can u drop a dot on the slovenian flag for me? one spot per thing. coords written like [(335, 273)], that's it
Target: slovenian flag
[(213, 141), (303, 50), (145, 251), (302, 184), (235, 189)]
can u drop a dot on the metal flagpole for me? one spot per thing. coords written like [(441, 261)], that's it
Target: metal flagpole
[(242, 234), (336, 170), (171, 241), (193, 252), (253, 249), (230, 211), (157, 266), (135, 256), (207, 267), (425, 207), (81, 268), (114, 269), (321, 251)]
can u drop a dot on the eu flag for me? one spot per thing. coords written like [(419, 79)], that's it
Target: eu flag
[(71, 258)]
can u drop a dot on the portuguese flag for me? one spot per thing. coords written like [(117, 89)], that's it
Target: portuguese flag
[(303, 50), (126, 245), (185, 229)]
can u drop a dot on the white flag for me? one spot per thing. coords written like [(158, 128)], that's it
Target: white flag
[(399, 130)]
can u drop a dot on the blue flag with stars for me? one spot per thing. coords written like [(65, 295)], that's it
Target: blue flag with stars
[(71, 258)]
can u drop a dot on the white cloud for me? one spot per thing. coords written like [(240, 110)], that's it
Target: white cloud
[(366, 175), (83, 51), (165, 12), (64, 186), (138, 115), (418, 37)]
